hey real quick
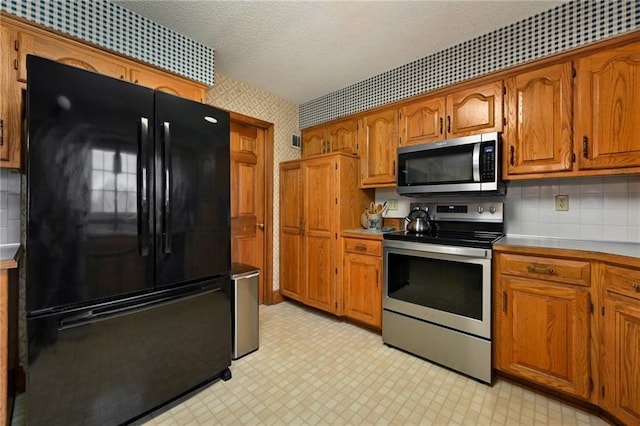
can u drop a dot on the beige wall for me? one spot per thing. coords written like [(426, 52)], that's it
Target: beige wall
[(234, 96)]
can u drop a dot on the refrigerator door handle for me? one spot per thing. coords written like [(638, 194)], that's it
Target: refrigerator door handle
[(166, 167), (143, 188)]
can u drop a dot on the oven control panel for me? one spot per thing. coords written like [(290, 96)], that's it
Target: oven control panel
[(489, 211)]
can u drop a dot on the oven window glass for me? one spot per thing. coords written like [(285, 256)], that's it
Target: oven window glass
[(454, 287)]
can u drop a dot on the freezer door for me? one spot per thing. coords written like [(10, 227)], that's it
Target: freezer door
[(100, 368), (89, 165), (193, 191)]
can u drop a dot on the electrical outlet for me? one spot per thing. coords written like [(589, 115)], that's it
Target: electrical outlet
[(562, 203), (392, 204)]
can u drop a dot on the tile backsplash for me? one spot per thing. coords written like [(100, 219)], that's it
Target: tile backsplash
[(9, 206), (600, 208)]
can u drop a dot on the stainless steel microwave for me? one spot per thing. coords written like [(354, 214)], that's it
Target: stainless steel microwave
[(467, 164)]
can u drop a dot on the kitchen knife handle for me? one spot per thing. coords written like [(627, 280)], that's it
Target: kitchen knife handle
[(144, 223), (166, 188)]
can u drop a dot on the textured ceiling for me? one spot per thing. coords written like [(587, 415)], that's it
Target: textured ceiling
[(300, 50)]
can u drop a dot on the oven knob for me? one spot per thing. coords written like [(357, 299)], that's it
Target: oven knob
[(480, 209), (492, 209)]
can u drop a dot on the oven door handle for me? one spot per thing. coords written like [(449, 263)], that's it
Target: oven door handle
[(476, 162)]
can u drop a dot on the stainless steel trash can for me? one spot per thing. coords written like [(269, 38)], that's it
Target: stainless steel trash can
[(244, 302)]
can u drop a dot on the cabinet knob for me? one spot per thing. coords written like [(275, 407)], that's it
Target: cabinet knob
[(636, 286), (260, 225)]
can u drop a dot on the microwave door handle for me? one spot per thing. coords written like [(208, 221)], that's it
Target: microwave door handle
[(476, 162)]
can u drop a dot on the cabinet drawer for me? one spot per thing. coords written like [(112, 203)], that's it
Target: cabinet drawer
[(624, 281), (548, 268), (373, 248)]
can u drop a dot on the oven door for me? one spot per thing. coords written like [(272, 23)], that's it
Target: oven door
[(444, 285)]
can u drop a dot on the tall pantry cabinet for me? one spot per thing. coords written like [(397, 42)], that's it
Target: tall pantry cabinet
[(319, 197)]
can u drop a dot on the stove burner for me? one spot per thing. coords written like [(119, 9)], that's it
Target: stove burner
[(466, 227)]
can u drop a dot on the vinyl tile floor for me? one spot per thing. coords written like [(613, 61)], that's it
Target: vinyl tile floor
[(314, 369)]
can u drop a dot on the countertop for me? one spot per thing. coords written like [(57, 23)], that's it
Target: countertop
[(373, 234), (8, 256), (604, 247)]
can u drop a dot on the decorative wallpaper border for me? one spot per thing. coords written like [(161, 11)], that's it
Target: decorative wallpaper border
[(564, 27), (120, 30)]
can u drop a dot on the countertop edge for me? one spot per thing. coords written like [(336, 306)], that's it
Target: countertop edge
[(8, 264), (599, 250)]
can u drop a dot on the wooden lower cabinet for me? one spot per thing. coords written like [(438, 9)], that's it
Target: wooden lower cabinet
[(362, 280), (542, 320), (319, 197), (621, 334), (543, 333), (570, 321)]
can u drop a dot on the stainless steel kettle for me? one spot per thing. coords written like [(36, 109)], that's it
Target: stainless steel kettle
[(418, 220)]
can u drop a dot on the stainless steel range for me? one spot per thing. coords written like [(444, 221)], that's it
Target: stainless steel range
[(437, 286)]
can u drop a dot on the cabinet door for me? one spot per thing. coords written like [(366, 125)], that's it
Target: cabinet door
[(362, 277), (342, 136), (422, 121), (621, 377), (66, 52), (607, 109), (378, 148), (320, 235), (168, 83), (538, 133), (314, 142), (10, 103), (475, 110), (291, 231), (543, 333)]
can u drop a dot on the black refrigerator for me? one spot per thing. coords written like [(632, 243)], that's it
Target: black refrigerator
[(127, 249)]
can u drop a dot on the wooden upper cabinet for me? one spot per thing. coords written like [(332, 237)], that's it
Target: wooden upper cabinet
[(538, 137), (422, 121), (167, 83), (314, 141), (337, 136), (10, 103), (61, 50), (607, 109), (343, 136), (475, 110), (378, 144)]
